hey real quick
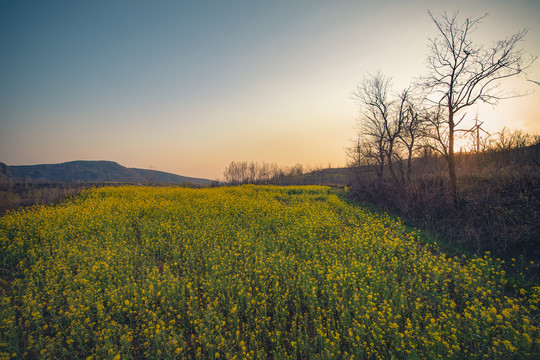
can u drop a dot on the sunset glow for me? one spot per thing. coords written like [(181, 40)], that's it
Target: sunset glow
[(188, 87)]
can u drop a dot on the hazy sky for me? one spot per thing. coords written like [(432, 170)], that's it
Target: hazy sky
[(189, 86)]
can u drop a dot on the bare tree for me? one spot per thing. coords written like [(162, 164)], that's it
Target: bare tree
[(462, 73), (512, 139), (363, 157), (412, 126), (237, 173), (242, 172), (388, 128), (373, 97)]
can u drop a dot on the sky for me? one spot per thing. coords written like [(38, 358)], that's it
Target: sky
[(189, 86)]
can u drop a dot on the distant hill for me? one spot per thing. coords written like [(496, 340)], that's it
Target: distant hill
[(94, 172)]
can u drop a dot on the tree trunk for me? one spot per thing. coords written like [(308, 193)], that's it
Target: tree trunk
[(451, 158), (409, 165)]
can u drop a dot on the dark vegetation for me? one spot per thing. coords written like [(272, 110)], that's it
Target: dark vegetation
[(22, 194), (496, 207)]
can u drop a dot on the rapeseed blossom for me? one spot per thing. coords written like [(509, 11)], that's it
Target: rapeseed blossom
[(251, 272)]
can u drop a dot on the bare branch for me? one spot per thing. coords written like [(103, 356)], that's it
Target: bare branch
[(462, 73)]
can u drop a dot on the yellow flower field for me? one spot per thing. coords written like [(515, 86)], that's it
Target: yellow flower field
[(251, 272)]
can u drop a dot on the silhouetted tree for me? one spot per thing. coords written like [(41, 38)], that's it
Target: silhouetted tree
[(412, 127), (243, 172), (373, 97), (462, 73), (388, 128)]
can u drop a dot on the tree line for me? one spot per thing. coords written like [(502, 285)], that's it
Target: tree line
[(244, 172)]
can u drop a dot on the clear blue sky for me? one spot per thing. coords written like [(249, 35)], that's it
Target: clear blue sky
[(189, 86)]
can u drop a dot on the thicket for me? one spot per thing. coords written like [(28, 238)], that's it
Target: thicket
[(496, 207)]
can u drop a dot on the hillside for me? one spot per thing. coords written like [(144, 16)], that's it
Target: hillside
[(94, 172)]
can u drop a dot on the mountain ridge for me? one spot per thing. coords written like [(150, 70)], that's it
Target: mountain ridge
[(94, 171)]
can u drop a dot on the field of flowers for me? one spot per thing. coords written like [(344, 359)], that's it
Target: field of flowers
[(251, 272)]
